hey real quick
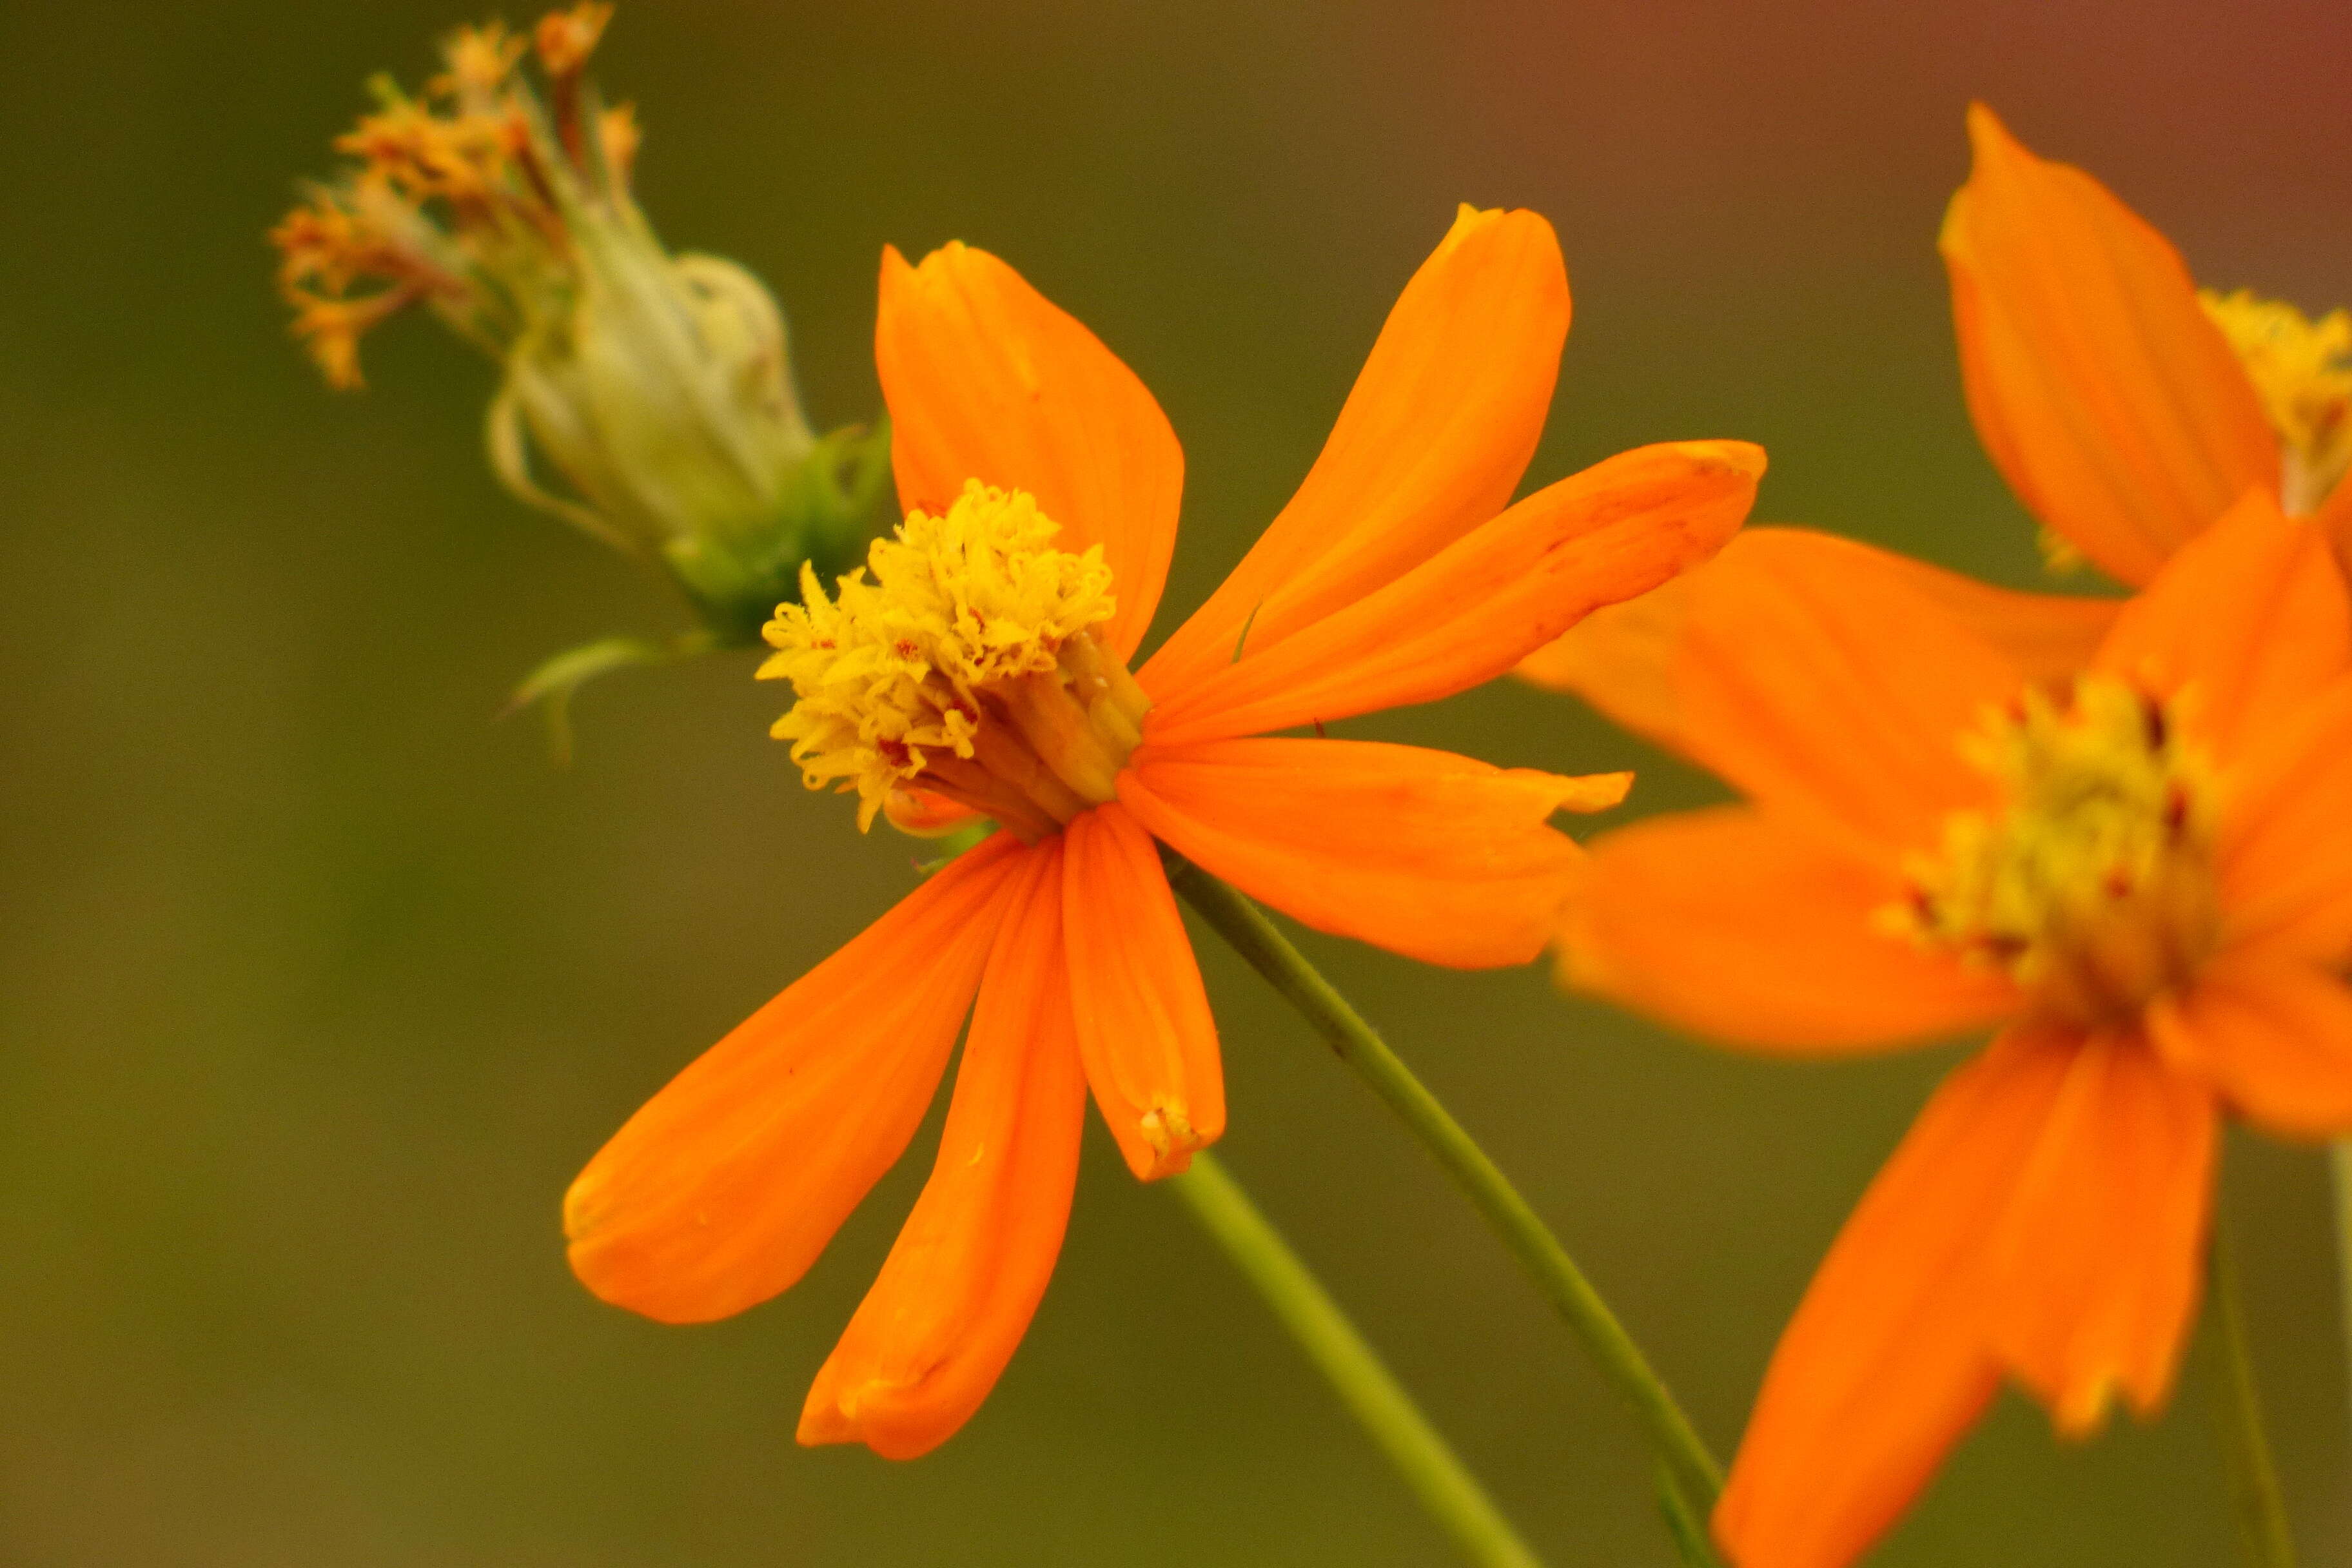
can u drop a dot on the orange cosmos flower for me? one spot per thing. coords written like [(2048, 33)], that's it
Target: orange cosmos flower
[(2126, 409), (2140, 872), (983, 670)]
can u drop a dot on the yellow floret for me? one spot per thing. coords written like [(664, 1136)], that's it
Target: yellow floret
[(2091, 884), (2302, 371), (892, 668)]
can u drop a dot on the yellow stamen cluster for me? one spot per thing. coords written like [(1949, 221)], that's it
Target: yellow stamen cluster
[(968, 664), (460, 198), (2092, 885), (2301, 369)]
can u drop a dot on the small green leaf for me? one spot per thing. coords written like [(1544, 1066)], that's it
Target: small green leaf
[(553, 684)]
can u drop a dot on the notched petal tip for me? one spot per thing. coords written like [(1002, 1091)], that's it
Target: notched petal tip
[(1730, 461), (1168, 1131), (1472, 222), (871, 1412), (1584, 792)]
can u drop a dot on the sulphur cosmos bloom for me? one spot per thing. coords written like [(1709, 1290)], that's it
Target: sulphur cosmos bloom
[(980, 666), (2098, 893), (2139, 871)]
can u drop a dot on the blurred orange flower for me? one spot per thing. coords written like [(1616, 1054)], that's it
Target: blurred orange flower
[(982, 672), (2125, 409), (2136, 866)]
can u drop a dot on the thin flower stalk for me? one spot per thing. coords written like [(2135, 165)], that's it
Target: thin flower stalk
[(1538, 1252), (2255, 1496), (1447, 1489), (981, 669)]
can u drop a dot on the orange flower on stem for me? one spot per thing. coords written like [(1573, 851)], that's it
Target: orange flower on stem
[(2138, 870), (981, 670), (2127, 410)]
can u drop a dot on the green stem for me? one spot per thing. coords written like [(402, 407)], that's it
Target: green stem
[(2339, 1165), (2254, 1495), (1370, 1390), (1538, 1251), (1689, 1535)]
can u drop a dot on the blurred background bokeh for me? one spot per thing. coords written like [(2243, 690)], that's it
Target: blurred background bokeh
[(317, 984)]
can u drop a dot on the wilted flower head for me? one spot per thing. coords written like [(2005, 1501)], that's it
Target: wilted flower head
[(658, 388)]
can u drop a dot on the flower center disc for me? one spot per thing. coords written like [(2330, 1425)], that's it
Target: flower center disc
[(2092, 885), (968, 665)]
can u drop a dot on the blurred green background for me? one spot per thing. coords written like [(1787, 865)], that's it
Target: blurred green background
[(317, 984)]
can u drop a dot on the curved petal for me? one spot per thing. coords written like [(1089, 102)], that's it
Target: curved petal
[(1732, 925), (2251, 616), (1620, 658), (2095, 1262), (1145, 1032), (988, 379), (2334, 519), (2286, 847), (1432, 856), (1822, 687), (1431, 443), (957, 1290), (1887, 1361), (1469, 614), (2273, 1036), (2106, 397), (725, 1186)]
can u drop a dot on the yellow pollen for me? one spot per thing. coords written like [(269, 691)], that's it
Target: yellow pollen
[(2302, 371), (2091, 884), (968, 664)]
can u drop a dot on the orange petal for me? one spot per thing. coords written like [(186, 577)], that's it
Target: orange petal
[(1435, 857), (987, 379), (958, 1288), (724, 1187), (1145, 1032), (1431, 443), (2251, 616), (2334, 519), (2286, 846), (1824, 686), (2274, 1035), (1730, 924), (2097, 1262), (1621, 658), (1474, 609), (1886, 1363), (2108, 399)]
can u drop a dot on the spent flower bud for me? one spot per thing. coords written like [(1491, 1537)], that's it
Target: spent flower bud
[(654, 392)]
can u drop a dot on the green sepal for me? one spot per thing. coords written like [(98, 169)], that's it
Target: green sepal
[(1683, 1525), (553, 684), (822, 517)]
